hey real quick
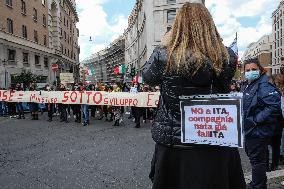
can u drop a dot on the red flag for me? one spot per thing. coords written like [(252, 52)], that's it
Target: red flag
[(116, 70)]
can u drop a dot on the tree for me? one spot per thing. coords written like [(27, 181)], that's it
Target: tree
[(26, 78)]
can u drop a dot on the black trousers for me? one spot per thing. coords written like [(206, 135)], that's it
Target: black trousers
[(77, 112), (50, 111), (275, 145), (63, 112), (257, 151), (137, 115)]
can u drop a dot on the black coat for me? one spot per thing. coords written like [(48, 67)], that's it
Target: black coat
[(166, 128)]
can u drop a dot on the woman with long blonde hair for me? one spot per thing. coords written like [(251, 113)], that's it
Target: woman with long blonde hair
[(192, 60)]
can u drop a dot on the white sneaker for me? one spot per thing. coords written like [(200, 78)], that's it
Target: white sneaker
[(282, 183), (69, 116), (144, 121), (133, 120)]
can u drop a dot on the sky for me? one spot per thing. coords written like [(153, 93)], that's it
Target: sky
[(105, 20)]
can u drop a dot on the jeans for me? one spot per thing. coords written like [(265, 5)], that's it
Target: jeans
[(1, 109), (85, 109), (20, 108), (257, 151), (4, 109)]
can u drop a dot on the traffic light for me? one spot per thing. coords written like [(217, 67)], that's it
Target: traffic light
[(132, 73)]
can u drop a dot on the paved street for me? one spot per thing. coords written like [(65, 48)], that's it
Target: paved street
[(39, 154)]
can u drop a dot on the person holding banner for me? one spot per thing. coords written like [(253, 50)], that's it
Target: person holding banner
[(261, 114), (19, 105), (192, 60), (34, 106)]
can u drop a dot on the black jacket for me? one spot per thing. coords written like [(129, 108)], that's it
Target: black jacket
[(261, 109), (166, 128)]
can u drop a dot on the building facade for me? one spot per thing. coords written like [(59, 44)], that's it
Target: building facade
[(278, 37), (262, 49), (104, 62), (148, 22), (31, 38)]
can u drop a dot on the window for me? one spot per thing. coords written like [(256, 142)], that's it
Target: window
[(11, 55), (68, 52), (10, 25), (37, 63), (24, 31), (35, 15), (61, 32), (45, 61), (65, 52), (65, 35), (35, 36), (44, 40), (44, 20), (25, 58), (23, 8), (171, 1), (171, 15), (61, 48), (9, 3), (64, 21)]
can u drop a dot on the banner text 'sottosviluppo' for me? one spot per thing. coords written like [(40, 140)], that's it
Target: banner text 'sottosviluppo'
[(142, 99)]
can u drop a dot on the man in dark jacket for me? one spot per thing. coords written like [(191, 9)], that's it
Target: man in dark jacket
[(261, 111)]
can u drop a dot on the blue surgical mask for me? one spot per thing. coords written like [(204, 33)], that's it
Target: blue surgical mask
[(252, 75)]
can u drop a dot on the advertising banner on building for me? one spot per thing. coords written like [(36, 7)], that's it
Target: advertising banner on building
[(142, 99), (212, 121)]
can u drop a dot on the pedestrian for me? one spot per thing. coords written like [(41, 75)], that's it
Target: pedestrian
[(62, 107), (19, 105), (261, 112), (50, 106), (34, 106), (85, 108), (277, 142), (11, 106), (76, 108), (117, 110), (137, 111), (192, 60)]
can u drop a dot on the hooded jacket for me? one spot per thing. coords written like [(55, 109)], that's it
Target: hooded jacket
[(166, 128), (261, 108)]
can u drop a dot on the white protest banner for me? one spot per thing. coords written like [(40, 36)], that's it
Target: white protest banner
[(66, 78), (143, 99), (212, 121)]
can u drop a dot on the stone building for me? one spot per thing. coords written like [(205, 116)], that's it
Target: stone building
[(36, 34), (262, 49), (104, 62), (148, 22), (278, 37)]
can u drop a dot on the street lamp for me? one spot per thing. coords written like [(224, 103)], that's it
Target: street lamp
[(5, 69)]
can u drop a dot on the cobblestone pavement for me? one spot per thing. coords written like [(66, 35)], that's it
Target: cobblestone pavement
[(43, 155)]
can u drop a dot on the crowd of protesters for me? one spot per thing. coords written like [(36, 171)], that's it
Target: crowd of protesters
[(82, 113)]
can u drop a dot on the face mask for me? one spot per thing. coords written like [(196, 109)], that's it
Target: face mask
[(252, 75)]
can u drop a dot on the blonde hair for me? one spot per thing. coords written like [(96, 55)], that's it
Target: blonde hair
[(194, 39)]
